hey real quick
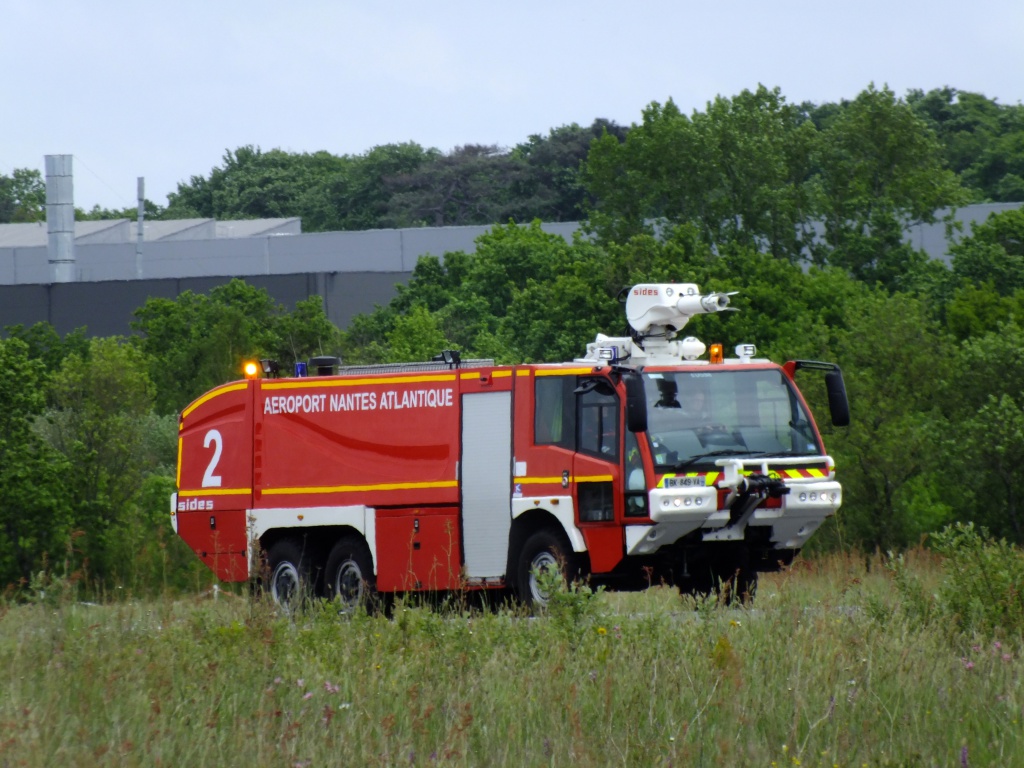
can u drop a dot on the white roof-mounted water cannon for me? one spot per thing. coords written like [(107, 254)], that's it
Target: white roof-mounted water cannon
[(657, 312), (664, 309)]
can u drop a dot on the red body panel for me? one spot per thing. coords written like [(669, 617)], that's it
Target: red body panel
[(220, 541), (377, 441), (418, 549), (215, 477)]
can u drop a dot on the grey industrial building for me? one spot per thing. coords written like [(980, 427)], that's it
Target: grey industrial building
[(112, 276)]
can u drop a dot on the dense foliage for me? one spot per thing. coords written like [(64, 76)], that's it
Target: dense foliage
[(800, 209)]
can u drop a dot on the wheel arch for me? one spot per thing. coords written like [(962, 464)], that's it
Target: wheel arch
[(527, 524), (315, 540)]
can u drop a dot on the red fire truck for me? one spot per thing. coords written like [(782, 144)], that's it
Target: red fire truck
[(644, 461)]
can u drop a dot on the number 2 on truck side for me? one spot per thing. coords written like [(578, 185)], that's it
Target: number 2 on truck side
[(211, 480)]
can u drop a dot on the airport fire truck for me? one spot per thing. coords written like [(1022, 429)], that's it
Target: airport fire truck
[(646, 461)]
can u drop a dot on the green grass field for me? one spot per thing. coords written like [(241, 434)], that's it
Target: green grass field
[(824, 670)]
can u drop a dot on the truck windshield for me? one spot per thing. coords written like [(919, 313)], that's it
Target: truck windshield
[(698, 416)]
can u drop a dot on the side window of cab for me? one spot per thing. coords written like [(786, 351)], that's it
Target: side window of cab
[(597, 418), (554, 416)]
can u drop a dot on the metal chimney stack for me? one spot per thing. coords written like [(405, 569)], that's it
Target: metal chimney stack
[(60, 219)]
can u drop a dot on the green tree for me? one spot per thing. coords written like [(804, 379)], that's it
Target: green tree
[(993, 253), (470, 185), (46, 345), (880, 170), (197, 341), (991, 444), (256, 184), (738, 172), (22, 196), (982, 139), (35, 513), (552, 187), (416, 336), (896, 362), (150, 210), (984, 395), (101, 423), (358, 197), (468, 295)]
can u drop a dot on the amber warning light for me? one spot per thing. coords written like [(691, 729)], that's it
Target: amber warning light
[(716, 353), (251, 370)]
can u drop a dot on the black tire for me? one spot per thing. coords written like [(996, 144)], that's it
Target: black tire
[(542, 551), (349, 576), (288, 581)]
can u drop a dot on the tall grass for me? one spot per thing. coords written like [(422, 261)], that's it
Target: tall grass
[(825, 670)]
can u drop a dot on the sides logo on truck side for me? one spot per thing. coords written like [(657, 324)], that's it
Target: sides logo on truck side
[(195, 505)]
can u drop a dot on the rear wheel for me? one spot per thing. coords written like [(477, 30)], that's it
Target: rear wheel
[(543, 553), (349, 576), (289, 581)]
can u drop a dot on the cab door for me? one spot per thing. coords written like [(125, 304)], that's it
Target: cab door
[(597, 471)]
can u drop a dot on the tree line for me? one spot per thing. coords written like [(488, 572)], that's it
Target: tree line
[(804, 217), (975, 138)]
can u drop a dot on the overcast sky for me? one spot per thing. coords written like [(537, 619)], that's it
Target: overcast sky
[(161, 90)]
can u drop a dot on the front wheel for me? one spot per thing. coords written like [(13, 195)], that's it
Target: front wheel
[(543, 553), (349, 577)]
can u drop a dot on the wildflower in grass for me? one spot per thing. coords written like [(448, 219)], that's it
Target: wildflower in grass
[(300, 683), (602, 631), (1006, 657), (997, 645), (734, 623), (968, 664), (963, 756), (307, 696), (331, 687)]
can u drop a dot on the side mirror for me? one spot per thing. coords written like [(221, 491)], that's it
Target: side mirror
[(636, 403), (838, 404)]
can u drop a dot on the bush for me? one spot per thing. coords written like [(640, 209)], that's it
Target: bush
[(981, 592)]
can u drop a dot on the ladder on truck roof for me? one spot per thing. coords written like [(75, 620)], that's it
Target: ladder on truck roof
[(430, 365)]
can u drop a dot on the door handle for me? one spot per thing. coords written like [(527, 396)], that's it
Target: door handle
[(565, 479)]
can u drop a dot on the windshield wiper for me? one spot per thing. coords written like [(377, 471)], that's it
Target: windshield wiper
[(712, 454)]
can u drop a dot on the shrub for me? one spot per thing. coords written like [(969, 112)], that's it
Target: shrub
[(981, 593)]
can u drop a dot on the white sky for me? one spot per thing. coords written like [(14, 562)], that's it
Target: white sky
[(161, 90)]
